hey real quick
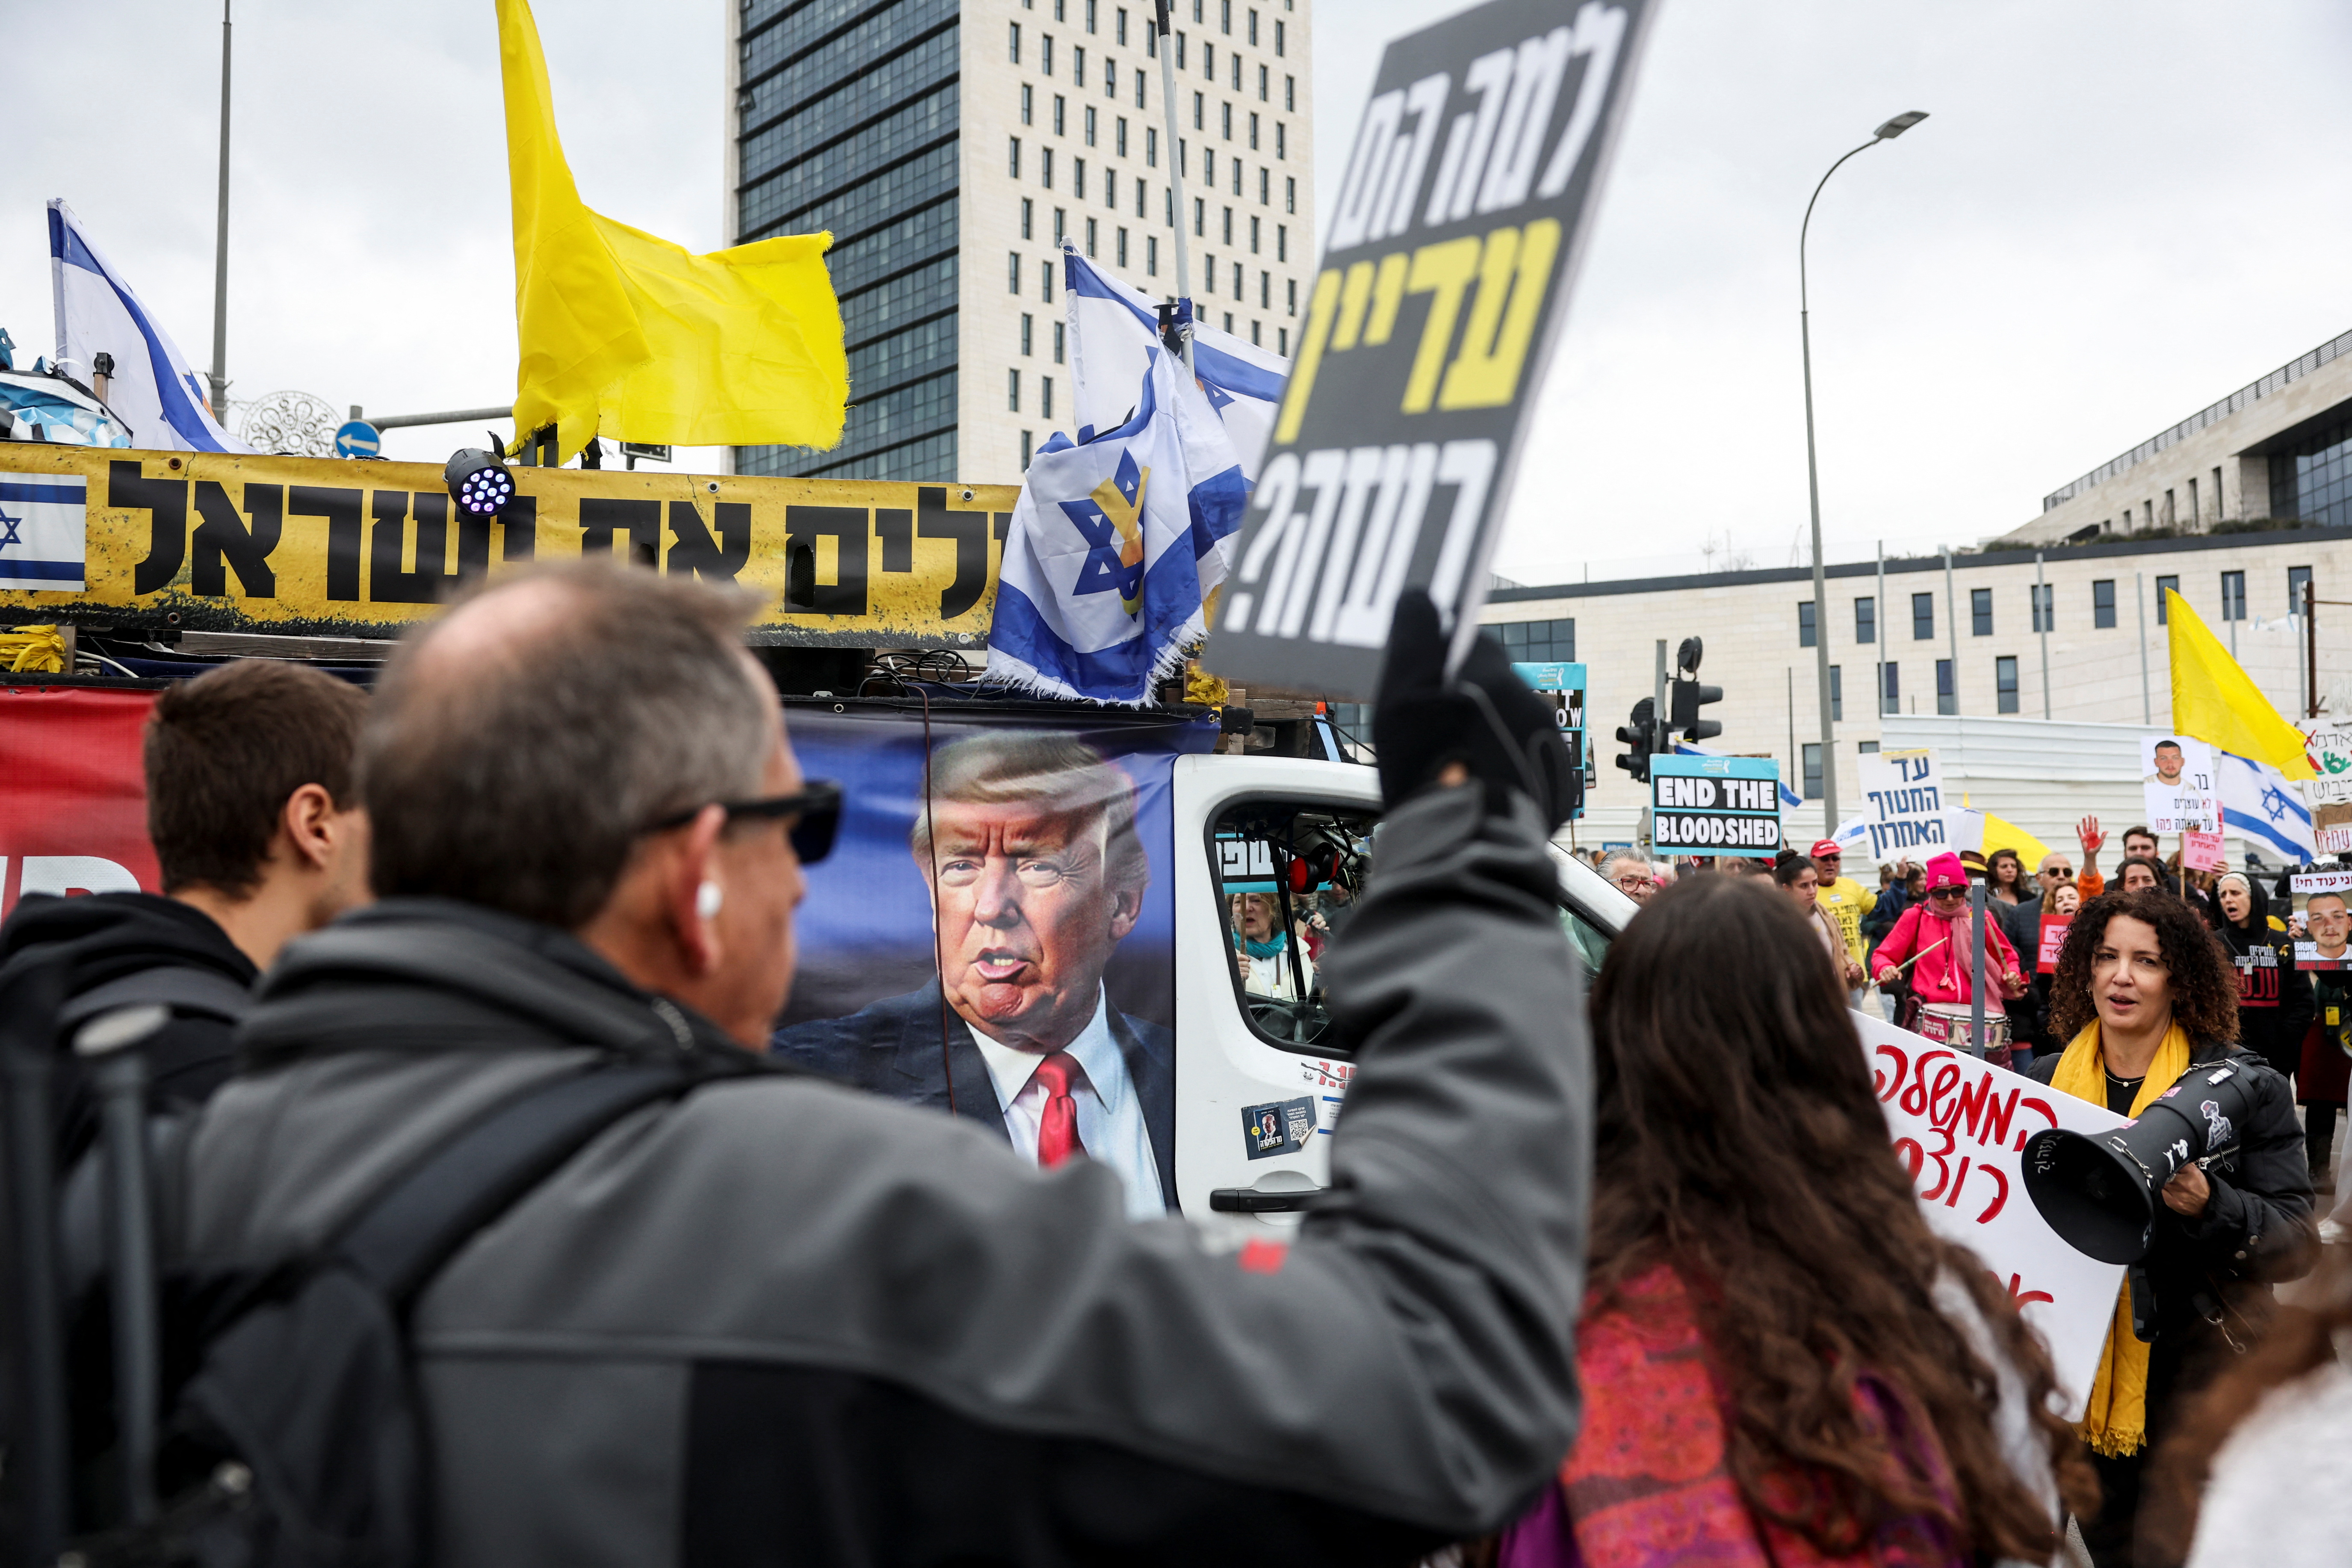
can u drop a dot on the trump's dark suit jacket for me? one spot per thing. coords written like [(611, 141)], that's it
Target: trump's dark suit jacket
[(892, 1048)]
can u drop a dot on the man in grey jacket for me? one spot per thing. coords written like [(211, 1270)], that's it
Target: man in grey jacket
[(781, 1321)]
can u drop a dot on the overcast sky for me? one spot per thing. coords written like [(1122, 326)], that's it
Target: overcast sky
[(2118, 213)]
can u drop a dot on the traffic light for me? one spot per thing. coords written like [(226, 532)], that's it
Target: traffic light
[(1640, 735), (1686, 695)]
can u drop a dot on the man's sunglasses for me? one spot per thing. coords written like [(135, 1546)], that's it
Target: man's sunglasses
[(816, 805)]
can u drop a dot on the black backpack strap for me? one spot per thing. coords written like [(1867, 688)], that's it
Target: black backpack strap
[(400, 1240), (203, 992)]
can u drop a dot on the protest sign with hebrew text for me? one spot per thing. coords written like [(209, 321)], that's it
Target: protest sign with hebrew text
[(1960, 1126), (1468, 198)]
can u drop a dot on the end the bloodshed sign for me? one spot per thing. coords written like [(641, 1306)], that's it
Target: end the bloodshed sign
[(1468, 198), (1714, 806)]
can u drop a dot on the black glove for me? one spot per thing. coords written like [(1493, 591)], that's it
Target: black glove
[(1487, 720)]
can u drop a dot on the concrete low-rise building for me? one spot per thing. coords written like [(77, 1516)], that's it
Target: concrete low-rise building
[(1967, 641)]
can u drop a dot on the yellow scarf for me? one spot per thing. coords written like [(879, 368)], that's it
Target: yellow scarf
[(2116, 1421)]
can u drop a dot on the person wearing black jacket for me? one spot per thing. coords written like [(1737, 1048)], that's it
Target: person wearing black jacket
[(2275, 1005), (254, 815), (2141, 995), (781, 1320)]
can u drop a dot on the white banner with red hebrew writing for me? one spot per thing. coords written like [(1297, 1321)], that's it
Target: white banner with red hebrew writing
[(1961, 1125)]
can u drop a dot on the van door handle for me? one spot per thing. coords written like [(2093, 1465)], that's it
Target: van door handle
[(1250, 1200)]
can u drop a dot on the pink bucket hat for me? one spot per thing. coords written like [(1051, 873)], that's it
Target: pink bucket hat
[(1946, 872)]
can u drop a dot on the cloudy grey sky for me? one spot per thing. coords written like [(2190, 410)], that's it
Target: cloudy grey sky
[(2118, 213)]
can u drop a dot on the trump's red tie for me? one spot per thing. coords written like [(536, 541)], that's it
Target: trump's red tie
[(1058, 1129)]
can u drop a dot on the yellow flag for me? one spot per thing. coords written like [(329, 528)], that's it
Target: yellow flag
[(2000, 834), (2216, 701), (626, 334)]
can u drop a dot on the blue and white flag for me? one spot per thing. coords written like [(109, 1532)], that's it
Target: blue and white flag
[(42, 530), (1113, 544), (2264, 809), (152, 393), (1114, 330)]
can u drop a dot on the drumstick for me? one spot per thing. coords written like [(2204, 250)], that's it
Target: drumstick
[(1921, 954)]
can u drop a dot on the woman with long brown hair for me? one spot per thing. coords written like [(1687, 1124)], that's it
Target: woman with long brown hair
[(1781, 1361), (2141, 995)]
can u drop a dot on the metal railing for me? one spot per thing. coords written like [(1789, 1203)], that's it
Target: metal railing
[(2294, 370)]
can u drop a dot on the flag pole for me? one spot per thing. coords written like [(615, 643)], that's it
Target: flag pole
[(1175, 169), (220, 246)]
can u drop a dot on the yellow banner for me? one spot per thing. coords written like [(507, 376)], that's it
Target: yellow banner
[(206, 541)]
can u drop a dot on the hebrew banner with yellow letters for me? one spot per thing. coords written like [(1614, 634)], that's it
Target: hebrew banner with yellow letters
[(1468, 196), (208, 541)]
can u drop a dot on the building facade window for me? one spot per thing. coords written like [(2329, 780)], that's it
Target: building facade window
[(1016, 43), (1923, 617), (2233, 596), (2165, 585), (1948, 700), (1028, 326), (1059, 329), (1805, 622), (1981, 612), (2004, 683), (2103, 604), (1152, 256), (1539, 642), (1016, 272), (2045, 611), (1812, 755), (1027, 101), (1865, 620), (2296, 578), (1837, 694), (1890, 696), (1046, 398), (1013, 390)]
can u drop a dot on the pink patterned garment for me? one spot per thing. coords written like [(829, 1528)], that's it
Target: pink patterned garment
[(1649, 1483)]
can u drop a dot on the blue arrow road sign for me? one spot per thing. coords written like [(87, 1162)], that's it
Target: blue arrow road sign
[(358, 439)]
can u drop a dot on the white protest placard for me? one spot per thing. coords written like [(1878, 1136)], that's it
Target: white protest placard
[(2330, 749), (2178, 775), (2326, 940), (1960, 1125), (1903, 809)]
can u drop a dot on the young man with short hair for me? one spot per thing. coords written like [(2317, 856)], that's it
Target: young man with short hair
[(256, 821)]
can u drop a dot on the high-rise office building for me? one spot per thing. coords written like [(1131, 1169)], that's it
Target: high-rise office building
[(950, 145)]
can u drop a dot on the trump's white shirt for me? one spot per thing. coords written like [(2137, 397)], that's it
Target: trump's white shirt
[(1110, 1116)]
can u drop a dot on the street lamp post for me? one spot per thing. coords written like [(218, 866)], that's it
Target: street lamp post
[(1886, 133)]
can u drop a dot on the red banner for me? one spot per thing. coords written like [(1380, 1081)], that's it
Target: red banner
[(73, 793), (2053, 937)]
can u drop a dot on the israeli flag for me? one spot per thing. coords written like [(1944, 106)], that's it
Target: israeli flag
[(154, 391), (2265, 809), (1115, 330), (1113, 544), (42, 519)]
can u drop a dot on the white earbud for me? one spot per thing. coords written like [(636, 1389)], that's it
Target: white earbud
[(708, 899)]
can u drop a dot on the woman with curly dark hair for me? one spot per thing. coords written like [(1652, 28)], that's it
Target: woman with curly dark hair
[(2141, 995), (1780, 1362)]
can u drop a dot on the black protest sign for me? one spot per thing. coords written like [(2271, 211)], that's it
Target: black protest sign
[(1468, 199)]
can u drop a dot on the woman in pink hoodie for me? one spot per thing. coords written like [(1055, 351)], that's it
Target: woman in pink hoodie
[(1935, 932)]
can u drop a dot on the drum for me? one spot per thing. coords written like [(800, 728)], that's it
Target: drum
[(1946, 1024)]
